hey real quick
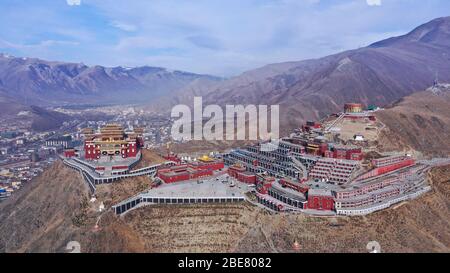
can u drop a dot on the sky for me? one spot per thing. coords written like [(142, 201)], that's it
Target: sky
[(223, 38)]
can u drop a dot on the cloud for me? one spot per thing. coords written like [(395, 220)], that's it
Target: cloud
[(40, 45), (373, 2), (216, 37), (73, 2), (205, 41), (124, 26)]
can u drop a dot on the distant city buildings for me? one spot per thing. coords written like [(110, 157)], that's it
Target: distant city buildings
[(59, 141)]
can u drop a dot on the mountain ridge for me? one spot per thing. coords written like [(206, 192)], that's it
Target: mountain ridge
[(378, 74), (55, 83)]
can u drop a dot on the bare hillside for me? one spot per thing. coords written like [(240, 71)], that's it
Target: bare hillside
[(39, 217), (419, 122)]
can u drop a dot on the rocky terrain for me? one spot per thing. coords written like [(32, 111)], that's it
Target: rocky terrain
[(420, 122)]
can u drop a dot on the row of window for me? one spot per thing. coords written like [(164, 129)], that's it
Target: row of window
[(125, 207)]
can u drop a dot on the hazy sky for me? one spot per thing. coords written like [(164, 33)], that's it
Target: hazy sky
[(223, 38)]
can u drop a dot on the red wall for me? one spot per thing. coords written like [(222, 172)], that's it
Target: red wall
[(69, 153), (183, 174), (320, 202), (299, 188), (355, 154), (174, 178), (210, 166), (246, 178), (388, 168), (90, 148), (119, 167), (132, 150)]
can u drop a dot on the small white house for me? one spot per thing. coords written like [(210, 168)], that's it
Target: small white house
[(358, 137)]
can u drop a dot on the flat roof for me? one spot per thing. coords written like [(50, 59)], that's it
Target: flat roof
[(320, 192), (209, 188)]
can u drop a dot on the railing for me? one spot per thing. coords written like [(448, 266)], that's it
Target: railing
[(94, 180)]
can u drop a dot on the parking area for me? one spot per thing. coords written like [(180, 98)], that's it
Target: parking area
[(215, 186), (215, 189)]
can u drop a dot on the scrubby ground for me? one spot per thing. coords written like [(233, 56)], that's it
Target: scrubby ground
[(55, 209)]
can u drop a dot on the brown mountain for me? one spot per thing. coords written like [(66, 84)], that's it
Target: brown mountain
[(378, 74), (419, 122), (38, 118), (55, 83)]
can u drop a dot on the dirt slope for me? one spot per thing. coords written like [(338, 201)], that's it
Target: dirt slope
[(197, 228), (39, 217), (419, 122), (54, 210)]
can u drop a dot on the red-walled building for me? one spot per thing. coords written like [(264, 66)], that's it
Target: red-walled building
[(388, 168), (112, 141), (320, 199), (264, 183), (69, 152), (310, 125), (294, 184), (234, 170), (246, 177), (240, 173), (172, 157), (346, 152), (207, 163), (181, 173), (384, 161)]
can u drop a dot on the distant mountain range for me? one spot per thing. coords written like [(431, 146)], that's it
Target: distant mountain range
[(378, 74), (35, 81)]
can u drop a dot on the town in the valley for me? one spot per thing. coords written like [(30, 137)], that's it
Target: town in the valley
[(325, 168), (26, 152)]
